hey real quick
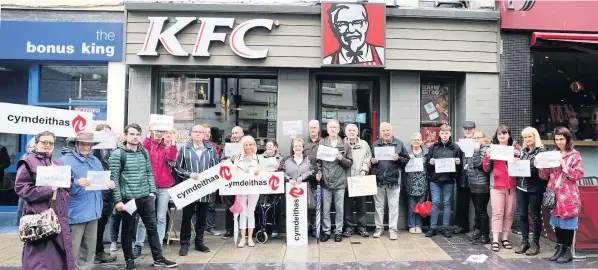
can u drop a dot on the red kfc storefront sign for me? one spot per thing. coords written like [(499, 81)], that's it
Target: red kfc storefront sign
[(206, 34)]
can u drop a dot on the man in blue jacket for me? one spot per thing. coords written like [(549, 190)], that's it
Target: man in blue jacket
[(85, 207)]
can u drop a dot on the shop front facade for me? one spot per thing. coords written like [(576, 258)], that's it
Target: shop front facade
[(260, 66), (58, 59)]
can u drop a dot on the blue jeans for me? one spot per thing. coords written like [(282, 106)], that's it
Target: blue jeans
[(161, 210), (211, 218), (115, 219), (446, 191), (415, 220)]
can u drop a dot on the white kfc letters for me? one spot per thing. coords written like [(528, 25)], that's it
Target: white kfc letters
[(205, 36)]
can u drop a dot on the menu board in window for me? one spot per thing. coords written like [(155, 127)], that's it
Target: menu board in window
[(435, 100)]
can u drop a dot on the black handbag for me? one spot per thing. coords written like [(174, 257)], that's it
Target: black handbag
[(549, 197)]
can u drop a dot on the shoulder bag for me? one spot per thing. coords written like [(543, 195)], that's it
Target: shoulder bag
[(549, 197)]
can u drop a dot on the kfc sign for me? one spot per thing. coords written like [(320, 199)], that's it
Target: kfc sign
[(205, 36)]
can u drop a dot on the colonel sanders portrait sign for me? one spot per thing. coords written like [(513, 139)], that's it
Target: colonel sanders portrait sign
[(353, 34)]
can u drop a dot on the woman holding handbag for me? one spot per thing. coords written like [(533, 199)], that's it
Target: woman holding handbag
[(417, 183), (562, 194), (54, 250)]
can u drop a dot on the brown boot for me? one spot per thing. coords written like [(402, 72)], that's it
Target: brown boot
[(533, 250)]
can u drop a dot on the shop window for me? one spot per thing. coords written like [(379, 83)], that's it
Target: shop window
[(221, 102), (71, 84), (435, 106), (343, 101)]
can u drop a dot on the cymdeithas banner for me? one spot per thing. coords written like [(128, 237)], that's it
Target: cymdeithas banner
[(30, 120), (296, 204), (209, 181), (243, 183)]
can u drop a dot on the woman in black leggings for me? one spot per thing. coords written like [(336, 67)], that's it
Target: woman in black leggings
[(479, 183)]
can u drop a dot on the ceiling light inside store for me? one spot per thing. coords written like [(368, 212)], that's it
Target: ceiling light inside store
[(546, 57), (96, 76)]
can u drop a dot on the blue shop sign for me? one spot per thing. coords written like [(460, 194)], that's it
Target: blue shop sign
[(63, 41)]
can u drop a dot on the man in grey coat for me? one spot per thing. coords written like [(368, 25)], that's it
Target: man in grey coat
[(334, 181), (361, 154)]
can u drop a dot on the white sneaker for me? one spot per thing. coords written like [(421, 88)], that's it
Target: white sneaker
[(250, 242), (241, 243), (378, 233), (393, 235), (113, 247)]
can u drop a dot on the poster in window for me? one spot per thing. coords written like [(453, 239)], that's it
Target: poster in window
[(203, 91), (178, 101), (435, 100), (430, 135)]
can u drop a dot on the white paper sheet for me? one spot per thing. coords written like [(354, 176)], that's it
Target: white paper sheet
[(445, 165), (467, 146), (131, 207), (326, 153), (99, 180), (519, 169), (292, 128), (106, 139), (161, 122), (269, 164), (53, 176), (415, 165), (231, 149), (362, 186), (384, 153), (549, 159), (502, 152)]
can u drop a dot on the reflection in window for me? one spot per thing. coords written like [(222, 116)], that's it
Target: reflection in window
[(73, 83), (343, 101)]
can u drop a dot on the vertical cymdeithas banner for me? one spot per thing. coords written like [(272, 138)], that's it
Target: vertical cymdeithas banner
[(296, 204)]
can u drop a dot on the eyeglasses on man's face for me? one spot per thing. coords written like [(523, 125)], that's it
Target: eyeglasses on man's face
[(47, 143)]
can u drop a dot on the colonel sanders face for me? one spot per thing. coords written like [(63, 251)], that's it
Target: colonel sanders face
[(349, 24)]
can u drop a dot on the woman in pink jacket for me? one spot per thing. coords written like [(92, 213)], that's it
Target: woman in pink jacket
[(564, 217)]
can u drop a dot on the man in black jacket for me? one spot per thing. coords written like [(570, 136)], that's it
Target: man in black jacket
[(463, 192), (441, 183), (4, 161)]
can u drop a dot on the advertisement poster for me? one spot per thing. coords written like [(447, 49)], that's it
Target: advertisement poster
[(353, 34), (435, 100), (179, 101), (183, 132), (430, 135)]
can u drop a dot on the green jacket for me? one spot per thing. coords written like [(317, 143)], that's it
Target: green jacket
[(136, 179)]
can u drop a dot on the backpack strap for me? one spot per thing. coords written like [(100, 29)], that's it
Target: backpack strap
[(123, 157)]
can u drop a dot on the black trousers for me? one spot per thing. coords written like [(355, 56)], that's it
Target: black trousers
[(280, 213), (564, 237), (480, 203), (527, 201), (462, 215), (146, 209), (230, 219), (200, 209), (100, 235), (356, 204)]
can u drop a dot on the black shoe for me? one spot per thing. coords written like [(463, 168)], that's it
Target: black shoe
[(202, 248), (338, 237), (275, 233), (485, 239), (104, 258), (130, 265), (523, 247), (363, 232), (325, 237), (348, 232), (227, 235), (476, 235), (184, 250), (459, 230), (447, 233), (163, 262), (566, 256), (137, 251), (559, 250), (430, 233)]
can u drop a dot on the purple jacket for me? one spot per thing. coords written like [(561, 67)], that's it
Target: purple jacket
[(56, 253)]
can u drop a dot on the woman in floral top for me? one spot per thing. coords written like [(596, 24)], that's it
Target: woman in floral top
[(417, 183), (564, 217)]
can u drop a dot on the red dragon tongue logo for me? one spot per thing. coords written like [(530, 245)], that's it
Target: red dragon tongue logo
[(79, 123), (296, 192), (273, 182), (225, 172)]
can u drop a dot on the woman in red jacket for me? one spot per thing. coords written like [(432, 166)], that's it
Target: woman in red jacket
[(563, 180), (502, 190)]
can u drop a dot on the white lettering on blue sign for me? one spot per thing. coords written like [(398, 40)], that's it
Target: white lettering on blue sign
[(86, 48)]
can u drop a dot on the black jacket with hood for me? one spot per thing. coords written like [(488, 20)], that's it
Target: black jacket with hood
[(389, 172), (534, 183), (444, 150)]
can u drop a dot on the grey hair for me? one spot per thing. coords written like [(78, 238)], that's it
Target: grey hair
[(416, 134), (349, 125), (335, 8), (45, 133)]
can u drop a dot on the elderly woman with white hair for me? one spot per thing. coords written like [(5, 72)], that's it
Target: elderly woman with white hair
[(417, 183)]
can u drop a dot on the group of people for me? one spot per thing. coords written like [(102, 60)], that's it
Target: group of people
[(144, 171)]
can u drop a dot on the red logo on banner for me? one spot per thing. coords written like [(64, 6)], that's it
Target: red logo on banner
[(79, 123), (296, 192), (273, 182), (225, 172)]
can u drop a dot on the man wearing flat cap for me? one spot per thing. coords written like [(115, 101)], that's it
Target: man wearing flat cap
[(463, 192)]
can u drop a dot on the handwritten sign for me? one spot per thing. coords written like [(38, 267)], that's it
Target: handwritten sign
[(232, 149), (467, 146), (502, 152), (106, 139), (53, 176), (326, 153), (445, 165), (209, 181), (99, 180), (161, 122), (384, 153), (549, 159), (362, 186), (244, 183), (269, 164), (131, 207), (415, 165), (296, 210), (520, 168), (290, 128)]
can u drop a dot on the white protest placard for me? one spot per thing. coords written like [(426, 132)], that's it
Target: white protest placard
[(53, 176), (269, 164), (290, 128), (548, 159), (519, 169), (444, 165), (131, 207), (467, 146), (94, 124), (25, 119), (362, 186), (326, 153), (106, 139), (502, 152), (415, 165), (296, 204), (231, 149), (99, 180), (245, 183), (161, 122), (384, 153), (209, 181)]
